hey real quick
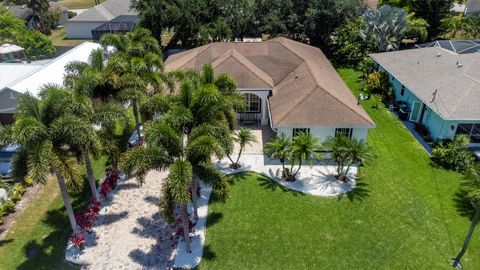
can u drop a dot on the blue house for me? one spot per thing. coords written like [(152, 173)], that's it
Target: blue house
[(441, 88)]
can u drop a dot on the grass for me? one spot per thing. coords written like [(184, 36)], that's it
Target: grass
[(58, 37), (44, 225), (77, 4), (404, 214)]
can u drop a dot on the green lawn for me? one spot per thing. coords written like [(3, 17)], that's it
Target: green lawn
[(404, 215)]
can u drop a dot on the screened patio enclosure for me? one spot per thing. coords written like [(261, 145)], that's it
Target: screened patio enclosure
[(120, 24)]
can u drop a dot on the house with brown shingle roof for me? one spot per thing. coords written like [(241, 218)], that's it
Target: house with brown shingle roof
[(288, 85)]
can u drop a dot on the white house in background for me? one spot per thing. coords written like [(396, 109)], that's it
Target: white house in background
[(81, 26), (288, 85), (22, 78)]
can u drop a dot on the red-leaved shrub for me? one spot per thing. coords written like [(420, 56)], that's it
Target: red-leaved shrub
[(78, 240)]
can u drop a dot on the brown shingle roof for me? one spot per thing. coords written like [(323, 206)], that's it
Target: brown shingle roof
[(306, 89)]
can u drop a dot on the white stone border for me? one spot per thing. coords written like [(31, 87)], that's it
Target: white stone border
[(186, 260)]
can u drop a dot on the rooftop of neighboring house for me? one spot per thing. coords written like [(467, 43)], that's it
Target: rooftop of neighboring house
[(105, 11), (306, 89), (447, 82), (24, 13), (53, 71), (473, 6), (10, 73)]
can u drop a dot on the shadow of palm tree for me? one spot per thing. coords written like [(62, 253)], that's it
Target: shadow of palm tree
[(463, 205), (208, 253), (359, 193), (3, 242), (270, 184), (213, 218), (152, 199), (159, 253), (108, 219)]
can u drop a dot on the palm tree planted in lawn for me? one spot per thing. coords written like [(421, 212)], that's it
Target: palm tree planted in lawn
[(46, 131), (279, 149), (243, 137), (346, 152), (471, 188), (304, 149)]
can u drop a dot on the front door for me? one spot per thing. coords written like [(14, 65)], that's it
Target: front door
[(416, 110)]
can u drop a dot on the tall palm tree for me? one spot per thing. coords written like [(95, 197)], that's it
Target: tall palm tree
[(243, 137), (471, 187), (279, 148), (46, 131), (137, 61), (304, 148)]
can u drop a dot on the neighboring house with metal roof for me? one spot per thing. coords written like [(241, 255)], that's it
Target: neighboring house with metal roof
[(81, 26), (456, 46), (288, 85), (23, 78), (472, 7), (441, 88)]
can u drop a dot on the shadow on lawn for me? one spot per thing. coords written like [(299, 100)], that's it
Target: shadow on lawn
[(208, 253), (49, 252), (359, 193), (213, 218), (463, 205)]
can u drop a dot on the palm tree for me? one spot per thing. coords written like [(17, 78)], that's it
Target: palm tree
[(279, 149), (46, 132), (387, 26), (417, 27), (137, 61), (339, 147), (471, 188), (358, 152), (243, 137), (304, 147)]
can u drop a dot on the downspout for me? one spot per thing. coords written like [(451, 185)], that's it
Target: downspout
[(270, 116)]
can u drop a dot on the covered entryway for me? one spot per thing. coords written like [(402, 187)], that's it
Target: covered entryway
[(256, 111)]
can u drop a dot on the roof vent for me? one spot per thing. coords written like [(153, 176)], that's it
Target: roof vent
[(459, 65), (439, 54)]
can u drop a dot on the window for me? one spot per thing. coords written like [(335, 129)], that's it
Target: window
[(297, 131), (253, 103), (472, 131), (344, 131), (402, 92)]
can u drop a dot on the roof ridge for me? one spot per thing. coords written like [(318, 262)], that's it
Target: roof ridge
[(318, 84), (243, 60), (192, 55)]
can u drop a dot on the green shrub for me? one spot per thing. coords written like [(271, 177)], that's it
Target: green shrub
[(9, 206), (15, 196), (2, 211), (19, 188), (27, 181), (453, 155)]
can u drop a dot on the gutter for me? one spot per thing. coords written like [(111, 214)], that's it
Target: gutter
[(270, 116)]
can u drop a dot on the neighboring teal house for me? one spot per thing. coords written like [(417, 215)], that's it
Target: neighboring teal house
[(441, 88)]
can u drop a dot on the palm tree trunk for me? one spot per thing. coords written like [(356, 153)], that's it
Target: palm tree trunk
[(186, 228), (239, 154), (135, 115), (194, 187), (299, 167), (66, 200), (348, 168), (283, 167), (230, 158), (91, 177), (476, 216)]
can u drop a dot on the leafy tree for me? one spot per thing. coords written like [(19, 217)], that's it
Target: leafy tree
[(433, 11), (216, 31), (387, 26), (13, 30), (471, 26), (243, 137), (279, 148), (417, 27), (471, 188), (323, 17), (350, 45), (453, 23)]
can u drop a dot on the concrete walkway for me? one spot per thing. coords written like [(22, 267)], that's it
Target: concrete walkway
[(132, 234)]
